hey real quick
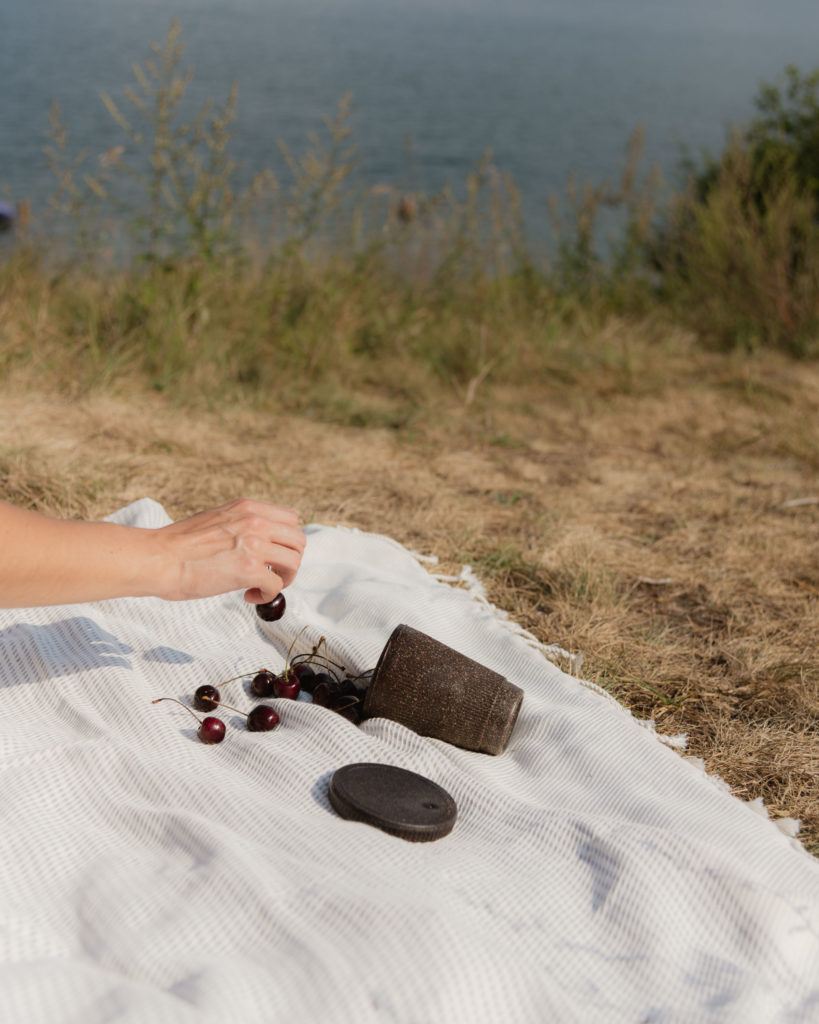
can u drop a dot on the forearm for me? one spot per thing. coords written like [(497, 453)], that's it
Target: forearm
[(45, 561)]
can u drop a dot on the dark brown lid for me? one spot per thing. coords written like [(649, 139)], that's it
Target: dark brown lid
[(393, 799)]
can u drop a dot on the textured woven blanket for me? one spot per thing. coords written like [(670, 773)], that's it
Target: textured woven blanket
[(593, 874)]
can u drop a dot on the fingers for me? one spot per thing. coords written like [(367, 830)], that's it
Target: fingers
[(268, 583), (283, 552), (263, 514), (250, 507), (228, 548), (255, 528), (285, 562), (284, 536), (257, 596)]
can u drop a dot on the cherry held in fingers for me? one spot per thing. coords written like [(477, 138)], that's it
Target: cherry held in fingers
[(273, 610), (211, 730)]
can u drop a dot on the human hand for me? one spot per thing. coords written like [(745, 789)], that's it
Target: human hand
[(230, 548)]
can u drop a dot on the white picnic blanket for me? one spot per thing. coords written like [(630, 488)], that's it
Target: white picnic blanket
[(593, 874)]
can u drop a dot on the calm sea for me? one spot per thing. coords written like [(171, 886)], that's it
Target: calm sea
[(552, 86)]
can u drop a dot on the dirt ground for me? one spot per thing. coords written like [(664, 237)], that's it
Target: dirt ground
[(668, 530)]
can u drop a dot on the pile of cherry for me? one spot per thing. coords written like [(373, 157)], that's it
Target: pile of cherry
[(327, 682)]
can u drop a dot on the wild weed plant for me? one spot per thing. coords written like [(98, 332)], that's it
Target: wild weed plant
[(154, 259)]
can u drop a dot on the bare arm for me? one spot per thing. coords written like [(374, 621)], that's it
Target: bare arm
[(47, 561)]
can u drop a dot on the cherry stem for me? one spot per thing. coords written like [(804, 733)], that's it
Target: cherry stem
[(292, 645), (350, 702), (330, 660), (361, 675), (301, 658), (322, 642), (238, 712), (244, 675), (307, 658), (179, 702)]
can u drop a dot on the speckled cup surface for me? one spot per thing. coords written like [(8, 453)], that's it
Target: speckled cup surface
[(438, 692)]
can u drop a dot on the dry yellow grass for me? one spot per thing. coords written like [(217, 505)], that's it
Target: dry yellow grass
[(641, 511)]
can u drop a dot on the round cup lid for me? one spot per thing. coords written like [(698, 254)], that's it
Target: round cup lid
[(395, 800)]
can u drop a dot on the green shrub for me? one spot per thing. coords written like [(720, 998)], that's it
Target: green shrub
[(740, 271)]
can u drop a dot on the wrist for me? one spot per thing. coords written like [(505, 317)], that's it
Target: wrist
[(158, 568)]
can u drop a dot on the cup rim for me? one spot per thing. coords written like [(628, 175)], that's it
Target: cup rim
[(507, 692), (379, 665)]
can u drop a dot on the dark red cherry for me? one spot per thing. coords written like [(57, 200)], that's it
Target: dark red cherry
[(206, 698), (321, 694), (262, 718), (286, 686), (326, 689), (273, 610), (341, 696), (305, 675), (361, 682), (212, 730), (262, 684), (361, 687), (352, 712)]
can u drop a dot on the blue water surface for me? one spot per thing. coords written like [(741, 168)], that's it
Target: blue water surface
[(552, 86)]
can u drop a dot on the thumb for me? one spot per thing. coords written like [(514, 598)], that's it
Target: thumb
[(257, 596)]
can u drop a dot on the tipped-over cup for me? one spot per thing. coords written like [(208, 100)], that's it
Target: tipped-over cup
[(438, 692)]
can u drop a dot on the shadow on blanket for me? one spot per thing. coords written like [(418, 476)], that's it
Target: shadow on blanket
[(32, 653), (320, 788)]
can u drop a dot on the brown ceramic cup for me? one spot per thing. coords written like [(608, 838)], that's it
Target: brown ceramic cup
[(438, 692)]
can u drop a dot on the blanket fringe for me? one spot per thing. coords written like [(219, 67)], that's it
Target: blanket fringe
[(469, 582)]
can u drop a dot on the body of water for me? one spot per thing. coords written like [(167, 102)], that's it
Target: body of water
[(552, 86)]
